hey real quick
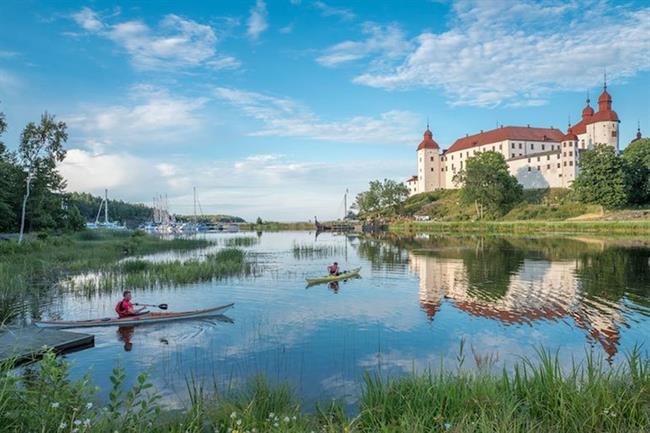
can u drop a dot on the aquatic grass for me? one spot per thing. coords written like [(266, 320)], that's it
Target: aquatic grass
[(241, 241), (309, 251), (34, 267), (535, 395), (141, 274)]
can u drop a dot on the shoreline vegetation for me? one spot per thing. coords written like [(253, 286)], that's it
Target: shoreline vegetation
[(95, 260), (535, 395)]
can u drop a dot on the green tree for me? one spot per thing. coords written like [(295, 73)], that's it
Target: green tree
[(41, 147), (602, 178), (637, 168), (74, 221), (488, 185), (382, 198)]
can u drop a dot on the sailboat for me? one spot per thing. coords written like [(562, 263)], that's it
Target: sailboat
[(106, 224)]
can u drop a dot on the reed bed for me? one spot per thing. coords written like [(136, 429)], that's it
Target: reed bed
[(537, 395), (143, 274), (309, 251), (241, 241)]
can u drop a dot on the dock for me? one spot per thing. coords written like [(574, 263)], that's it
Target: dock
[(22, 345)]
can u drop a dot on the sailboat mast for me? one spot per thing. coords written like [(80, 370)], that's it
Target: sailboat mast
[(345, 204), (195, 206), (106, 206)]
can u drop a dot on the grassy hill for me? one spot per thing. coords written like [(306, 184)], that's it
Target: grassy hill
[(554, 204)]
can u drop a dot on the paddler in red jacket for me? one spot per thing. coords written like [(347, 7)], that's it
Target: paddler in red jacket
[(124, 308)]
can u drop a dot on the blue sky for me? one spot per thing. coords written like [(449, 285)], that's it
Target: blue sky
[(274, 108)]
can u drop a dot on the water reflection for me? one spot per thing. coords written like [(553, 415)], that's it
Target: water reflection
[(520, 282)]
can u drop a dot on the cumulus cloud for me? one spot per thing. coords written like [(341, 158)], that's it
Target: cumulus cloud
[(511, 51), (330, 11), (257, 21), (284, 117), (176, 42), (151, 115)]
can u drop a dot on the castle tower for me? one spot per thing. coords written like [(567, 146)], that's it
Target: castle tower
[(603, 126), (569, 158), (429, 176)]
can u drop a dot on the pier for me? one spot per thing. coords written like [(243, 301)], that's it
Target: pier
[(22, 345)]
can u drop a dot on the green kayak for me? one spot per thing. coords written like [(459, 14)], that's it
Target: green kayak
[(328, 279)]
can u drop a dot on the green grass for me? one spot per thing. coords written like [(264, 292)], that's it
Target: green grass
[(143, 274), (241, 241), (535, 395), (308, 251), (34, 267)]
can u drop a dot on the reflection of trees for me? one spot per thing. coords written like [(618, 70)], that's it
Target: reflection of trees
[(381, 252), (616, 272), (490, 266)]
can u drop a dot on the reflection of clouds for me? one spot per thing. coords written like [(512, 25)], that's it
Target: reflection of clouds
[(341, 388)]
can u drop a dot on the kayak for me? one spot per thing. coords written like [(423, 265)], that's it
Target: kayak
[(131, 320), (330, 278)]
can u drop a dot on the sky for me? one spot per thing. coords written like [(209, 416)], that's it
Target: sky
[(275, 108)]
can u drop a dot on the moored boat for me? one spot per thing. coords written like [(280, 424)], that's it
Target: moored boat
[(328, 279), (132, 320)]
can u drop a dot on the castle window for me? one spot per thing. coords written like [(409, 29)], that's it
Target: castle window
[(513, 145), (538, 168), (513, 155), (558, 156), (548, 157), (571, 163), (432, 158), (613, 133), (492, 148), (500, 147), (431, 168), (538, 159), (548, 166), (570, 153), (528, 168), (558, 165), (520, 145), (529, 160), (565, 163), (532, 146), (559, 175), (564, 154), (543, 147)]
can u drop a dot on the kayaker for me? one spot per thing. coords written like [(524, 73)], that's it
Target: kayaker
[(124, 308), (334, 269)]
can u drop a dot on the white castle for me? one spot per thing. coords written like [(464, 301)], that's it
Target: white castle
[(538, 157)]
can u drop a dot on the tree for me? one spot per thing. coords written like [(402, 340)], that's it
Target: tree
[(381, 198), (602, 178), (41, 147), (636, 157), (488, 185)]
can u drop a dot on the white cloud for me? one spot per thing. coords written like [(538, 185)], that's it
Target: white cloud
[(284, 117), (330, 11), (511, 52), (286, 29), (388, 42), (88, 20), (153, 115), (177, 42), (257, 21), (260, 185)]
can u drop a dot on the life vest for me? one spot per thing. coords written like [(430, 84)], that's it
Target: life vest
[(120, 309)]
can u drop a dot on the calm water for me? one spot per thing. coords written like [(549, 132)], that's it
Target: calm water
[(416, 300)]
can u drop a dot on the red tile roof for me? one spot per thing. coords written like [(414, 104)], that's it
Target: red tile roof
[(523, 133), (427, 141)]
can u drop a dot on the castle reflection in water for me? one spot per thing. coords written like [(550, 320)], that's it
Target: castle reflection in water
[(520, 283)]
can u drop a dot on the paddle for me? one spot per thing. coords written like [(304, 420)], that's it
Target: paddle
[(161, 306)]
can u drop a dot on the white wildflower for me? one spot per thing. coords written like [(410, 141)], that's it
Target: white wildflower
[(63, 425), (271, 415), (77, 422), (294, 417), (89, 405), (447, 426), (87, 422), (75, 430), (233, 415), (287, 419), (238, 422), (275, 424), (55, 405)]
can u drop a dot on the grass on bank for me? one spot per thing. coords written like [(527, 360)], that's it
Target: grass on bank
[(505, 227), (536, 396)]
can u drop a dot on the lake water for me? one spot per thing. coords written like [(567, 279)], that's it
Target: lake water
[(417, 298)]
